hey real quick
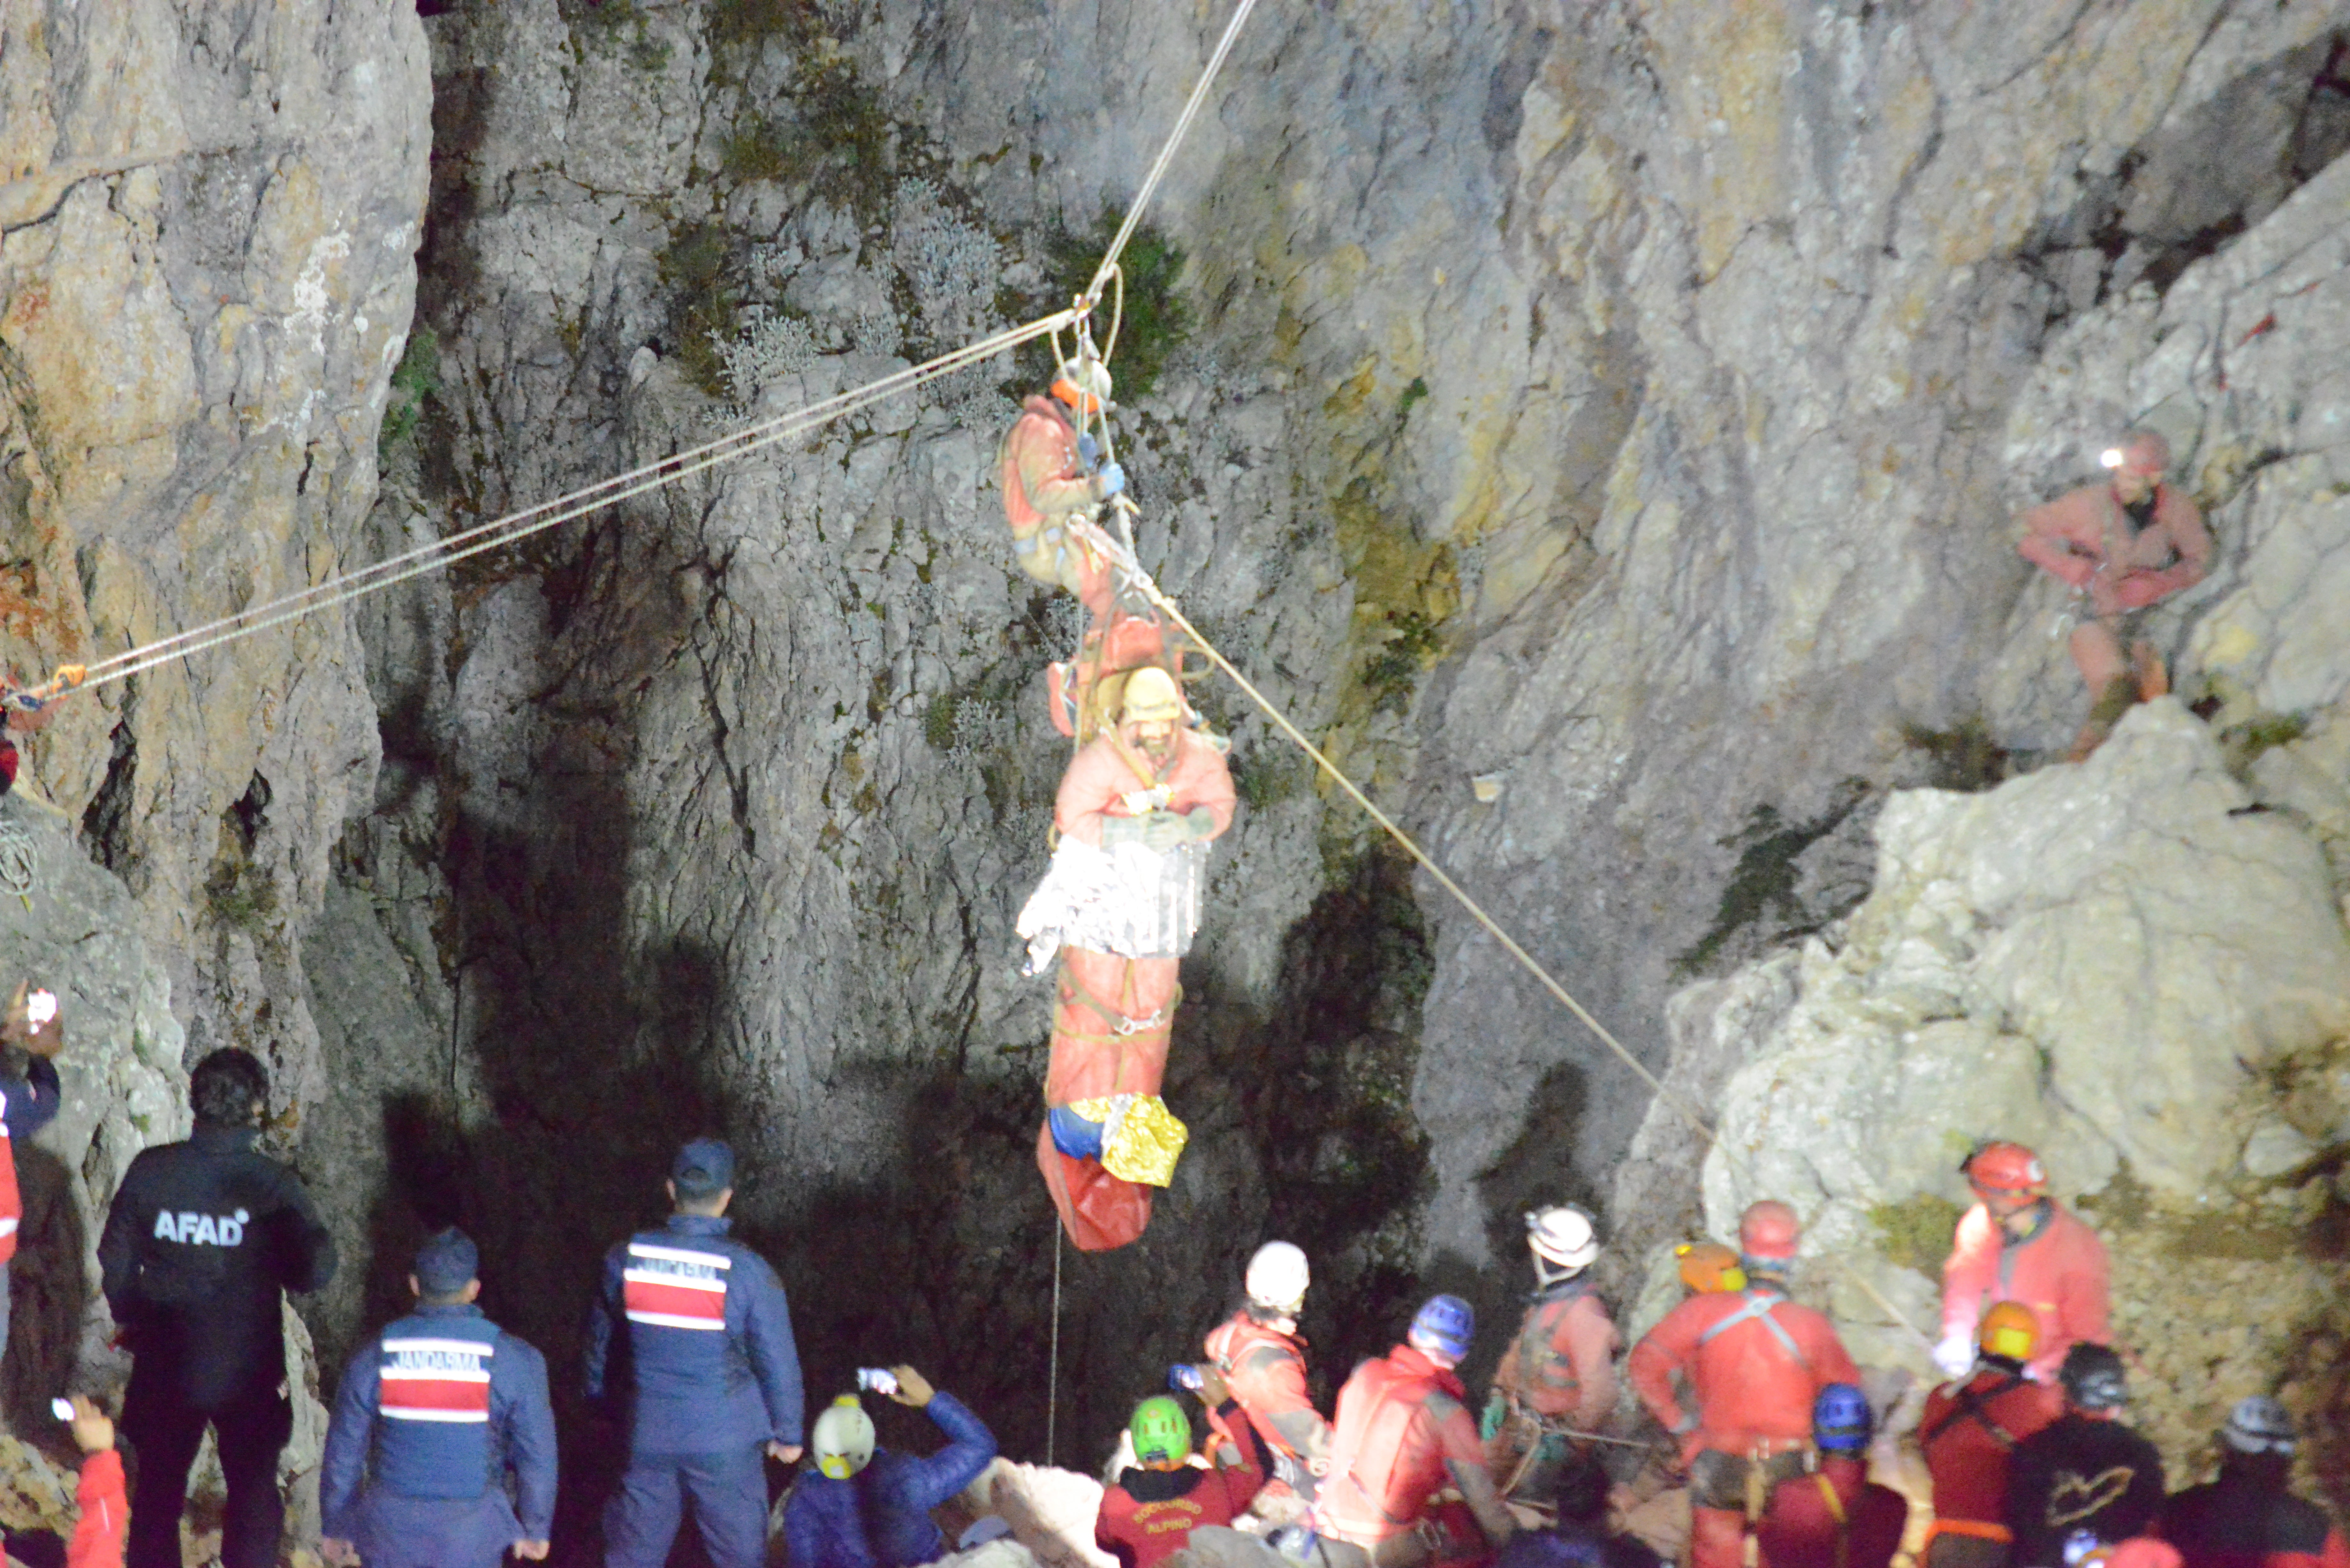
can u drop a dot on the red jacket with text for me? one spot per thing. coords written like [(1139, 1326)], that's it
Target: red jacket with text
[(1147, 1516)]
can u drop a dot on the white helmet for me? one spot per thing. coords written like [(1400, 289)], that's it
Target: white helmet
[(1277, 1278), (1562, 1236), (843, 1439)]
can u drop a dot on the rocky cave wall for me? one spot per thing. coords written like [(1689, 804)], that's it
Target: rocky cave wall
[(208, 220), (1613, 405), (1624, 404)]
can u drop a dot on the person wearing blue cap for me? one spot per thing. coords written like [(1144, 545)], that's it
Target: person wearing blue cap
[(1404, 1434), (692, 1339), (431, 1415)]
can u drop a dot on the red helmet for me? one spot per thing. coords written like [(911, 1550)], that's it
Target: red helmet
[(1768, 1231), (2009, 1169)]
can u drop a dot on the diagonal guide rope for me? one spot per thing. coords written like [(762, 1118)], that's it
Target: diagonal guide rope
[(1141, 582)]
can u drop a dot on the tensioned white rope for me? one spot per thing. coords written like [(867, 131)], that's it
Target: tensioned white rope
[(444, 553), (1132, 569), (1167, 151)]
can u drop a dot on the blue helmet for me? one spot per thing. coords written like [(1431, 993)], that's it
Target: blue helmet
[(1444, 1324), (1840, 1419)]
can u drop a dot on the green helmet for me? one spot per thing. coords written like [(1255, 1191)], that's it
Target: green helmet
[(1161, 1432)]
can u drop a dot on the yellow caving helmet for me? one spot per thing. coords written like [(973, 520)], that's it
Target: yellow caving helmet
[(2009, 1330), (843, 1438), (1149, 697)]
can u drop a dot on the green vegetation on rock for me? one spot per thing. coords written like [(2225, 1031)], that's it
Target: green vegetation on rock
[(1155, 317), (1915, 1232), (414, 382)]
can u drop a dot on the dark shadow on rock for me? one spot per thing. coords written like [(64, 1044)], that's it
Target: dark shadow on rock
[(48, 1290)]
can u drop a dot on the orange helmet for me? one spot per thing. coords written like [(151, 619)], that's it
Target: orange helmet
[(1768, 1231), (1709, 1268), (2009, 1169), (1084, 385), (2008, 1330)]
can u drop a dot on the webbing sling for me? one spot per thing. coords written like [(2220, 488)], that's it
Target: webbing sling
[(1970, 1403), (1758, 1310)]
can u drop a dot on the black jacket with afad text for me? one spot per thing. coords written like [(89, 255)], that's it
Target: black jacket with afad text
[(201, 1238)]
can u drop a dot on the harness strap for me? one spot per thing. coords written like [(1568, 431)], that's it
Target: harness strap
[(1836, 1512), (1758, 1310), (1971, 1404)]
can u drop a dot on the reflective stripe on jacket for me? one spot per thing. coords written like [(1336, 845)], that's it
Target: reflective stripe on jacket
[(439, 1405), (692, 1329)]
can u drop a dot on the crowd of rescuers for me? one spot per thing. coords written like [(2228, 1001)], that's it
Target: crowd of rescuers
[(440, 1452)]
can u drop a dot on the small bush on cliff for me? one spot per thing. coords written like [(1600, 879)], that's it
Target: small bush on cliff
[(414, 381)]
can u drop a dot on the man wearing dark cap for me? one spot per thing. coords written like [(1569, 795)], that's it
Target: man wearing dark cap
[(433, 1413), (202, 1239), (691, 1337), (2086, 1473)]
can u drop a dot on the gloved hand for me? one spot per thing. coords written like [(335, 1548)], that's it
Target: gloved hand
[(1163, 830), (1088, 449), (1955, 1355), (1497, 1410), (1109, 482)]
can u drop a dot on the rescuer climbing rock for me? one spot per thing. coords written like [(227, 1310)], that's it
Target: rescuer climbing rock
[(2248, 1518), (1119, 905), (2084, 1472), (1261, 1359), (1151, 1507), (1050, 488), (1756, 1363), (432, 1416), (2123, 546), (1968, 1432), (1403, 1434), (2018, 1243), (869, 1507), (1558, 1374)]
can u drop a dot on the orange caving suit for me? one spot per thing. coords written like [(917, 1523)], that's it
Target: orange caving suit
[(2059, 1272), (1757, 1362), (2084, 539), (1560, 1368), (1046, 488), (1265, 1370), (1113, 1015), (1401, 1432)]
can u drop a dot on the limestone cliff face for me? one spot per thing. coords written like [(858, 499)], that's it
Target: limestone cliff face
[(1623, 404), (210, 216)]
